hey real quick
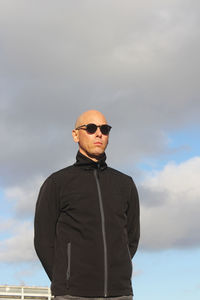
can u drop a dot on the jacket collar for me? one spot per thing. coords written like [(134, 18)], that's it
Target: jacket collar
[(88, 164)]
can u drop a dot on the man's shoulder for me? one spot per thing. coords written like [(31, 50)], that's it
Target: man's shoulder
[(120, 174), (61, 174), (122, 179)]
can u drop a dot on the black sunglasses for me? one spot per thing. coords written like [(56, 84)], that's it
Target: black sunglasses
[(92, 128)]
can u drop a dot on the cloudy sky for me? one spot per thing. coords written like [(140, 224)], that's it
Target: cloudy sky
[(136, 61)]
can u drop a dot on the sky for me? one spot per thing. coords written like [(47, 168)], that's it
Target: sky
[(138, 63)]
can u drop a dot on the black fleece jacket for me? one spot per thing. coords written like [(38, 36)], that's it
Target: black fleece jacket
[(87, 229)]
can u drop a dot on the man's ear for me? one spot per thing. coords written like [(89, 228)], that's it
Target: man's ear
[(75, 135)]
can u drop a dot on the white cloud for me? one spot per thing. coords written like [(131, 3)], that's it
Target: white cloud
[(18, 247), (23, 198), (6, 225), (170, 207)]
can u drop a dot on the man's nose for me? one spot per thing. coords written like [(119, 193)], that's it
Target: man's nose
[(98, 132)]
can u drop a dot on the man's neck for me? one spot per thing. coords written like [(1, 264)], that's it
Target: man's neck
[(92, 157)]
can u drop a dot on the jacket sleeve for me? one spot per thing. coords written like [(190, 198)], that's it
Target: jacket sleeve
[(133, 219), (46, 216)]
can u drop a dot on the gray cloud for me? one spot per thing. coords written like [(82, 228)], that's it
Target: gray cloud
[(23, 198), (19, 246), (170, 207), (152, 198), (136, 61)]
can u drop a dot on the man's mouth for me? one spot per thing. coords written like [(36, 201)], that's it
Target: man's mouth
[(98, 143)]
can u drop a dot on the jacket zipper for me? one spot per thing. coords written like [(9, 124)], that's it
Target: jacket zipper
[(103, 233), (68, 262)]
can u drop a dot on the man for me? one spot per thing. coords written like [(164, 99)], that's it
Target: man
[(87, 220)]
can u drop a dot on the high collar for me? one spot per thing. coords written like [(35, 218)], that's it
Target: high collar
[(88, 164)]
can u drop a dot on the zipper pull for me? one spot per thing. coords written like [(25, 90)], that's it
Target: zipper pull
[(98, 169), (96, 172)]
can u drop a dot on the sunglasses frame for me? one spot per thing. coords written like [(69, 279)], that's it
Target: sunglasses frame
[(97, 126)]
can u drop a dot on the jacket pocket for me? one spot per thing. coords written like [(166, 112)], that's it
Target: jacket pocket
[(68, 263), (129, 254), (130, 259)]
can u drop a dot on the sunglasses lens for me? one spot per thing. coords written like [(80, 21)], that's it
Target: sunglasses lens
[(91, 128), (105, 129)]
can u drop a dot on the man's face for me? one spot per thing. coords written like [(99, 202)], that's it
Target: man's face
[(91, 145)]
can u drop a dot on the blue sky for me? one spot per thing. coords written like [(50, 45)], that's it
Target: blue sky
[(172, 274), (187, 141), (137, 62), (182, 145)]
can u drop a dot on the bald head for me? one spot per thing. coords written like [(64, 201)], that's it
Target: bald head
[(93, 144), (90, 116)]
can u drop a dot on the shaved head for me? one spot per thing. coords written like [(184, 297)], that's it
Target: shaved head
[(89, 117), (91, 145)]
